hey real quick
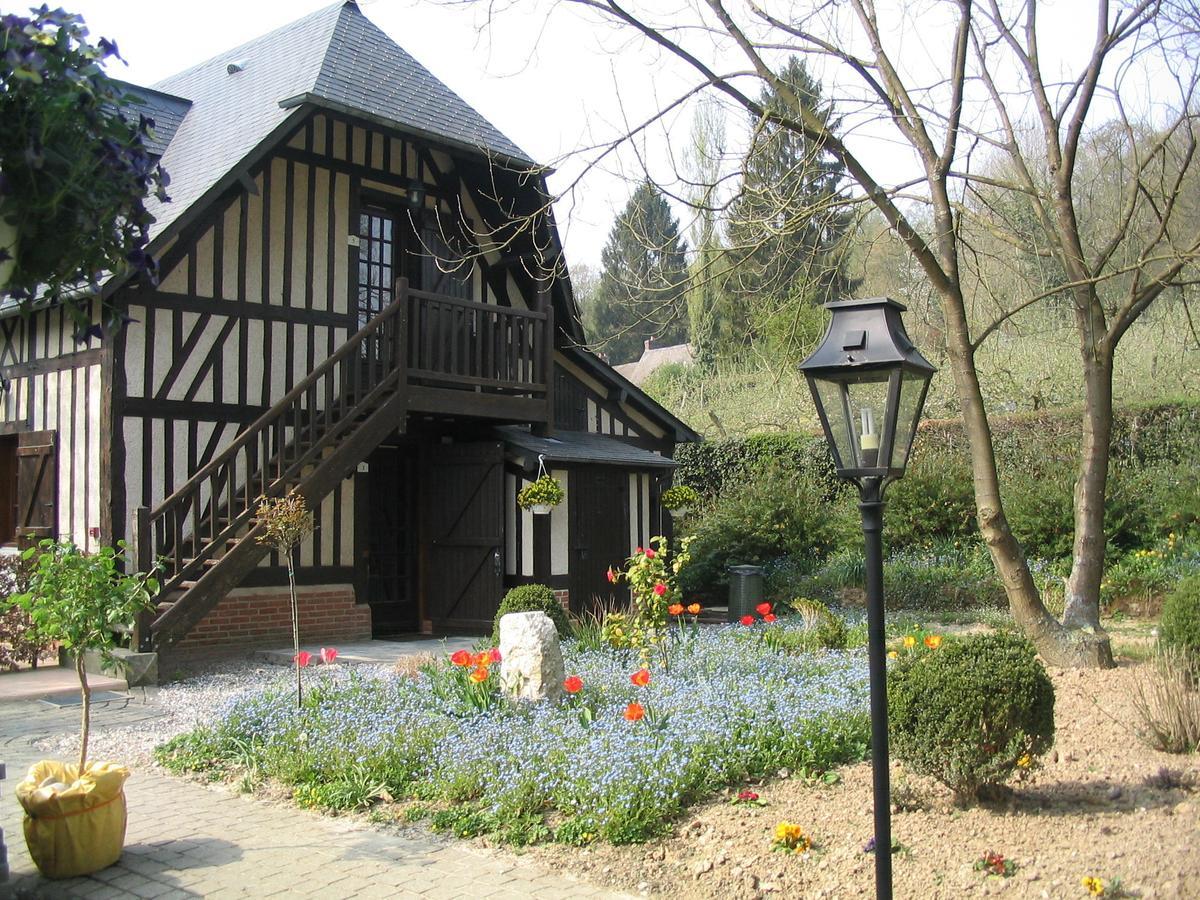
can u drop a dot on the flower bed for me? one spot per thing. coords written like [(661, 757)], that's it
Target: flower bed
[(729, 708)]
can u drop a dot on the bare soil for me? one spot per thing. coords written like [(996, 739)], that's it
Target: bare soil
[(1098, 807)]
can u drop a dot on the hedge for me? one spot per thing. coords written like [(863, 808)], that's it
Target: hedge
[(1030, 443)]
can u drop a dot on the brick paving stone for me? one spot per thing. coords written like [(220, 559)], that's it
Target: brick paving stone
[(187, 840)]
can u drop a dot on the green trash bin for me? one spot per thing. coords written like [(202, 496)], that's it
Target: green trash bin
[(745, 590)]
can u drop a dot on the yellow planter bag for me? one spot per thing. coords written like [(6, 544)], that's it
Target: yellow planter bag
[(74, 824)]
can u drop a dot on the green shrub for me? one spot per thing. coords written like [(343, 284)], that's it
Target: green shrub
[(711, 467), (1180, 626), (772, 515), (934, 501), (971, 713), (532, 598)]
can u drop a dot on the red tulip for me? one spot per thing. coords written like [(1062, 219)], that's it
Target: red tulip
[(612, 577), (634, 712), (461, 658), (649, 553), (641, 677), (747, 620), (573, 684), (769, 617), (302, 659), (494, 655), (328, 655), (763, 609)]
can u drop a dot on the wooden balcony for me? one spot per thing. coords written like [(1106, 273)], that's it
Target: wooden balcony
[(478, 359)]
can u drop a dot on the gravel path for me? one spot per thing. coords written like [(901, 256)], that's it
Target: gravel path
[(180, 707)]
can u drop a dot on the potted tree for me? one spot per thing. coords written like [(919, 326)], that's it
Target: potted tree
[(679, 499), (74, 168), (541, 495), (75, 812)]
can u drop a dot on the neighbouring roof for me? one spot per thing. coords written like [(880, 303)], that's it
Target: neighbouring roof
[(334, 57), (166, 110), (653, 358), (579, 446)]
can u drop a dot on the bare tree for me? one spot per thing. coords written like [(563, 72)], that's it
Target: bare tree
[(987, 115)]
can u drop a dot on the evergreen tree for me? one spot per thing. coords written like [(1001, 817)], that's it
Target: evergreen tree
[(787, 229), (643, 280)]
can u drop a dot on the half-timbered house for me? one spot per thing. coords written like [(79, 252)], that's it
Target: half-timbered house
[(361, 298)]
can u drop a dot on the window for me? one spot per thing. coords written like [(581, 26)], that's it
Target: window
[(376, 262)]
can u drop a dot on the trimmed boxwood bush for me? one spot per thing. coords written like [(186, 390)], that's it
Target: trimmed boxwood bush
[(532, 598), (1180, 625), (971, 712)]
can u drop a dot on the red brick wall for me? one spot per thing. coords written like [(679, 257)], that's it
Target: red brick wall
[(261, 617), (564, 599)]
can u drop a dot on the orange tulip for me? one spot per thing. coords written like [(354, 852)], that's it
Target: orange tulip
[(675, 609), (478, 674), (694, 609), (461, 658), (641, 677), (635, 712), (933, 641), (573, 684)]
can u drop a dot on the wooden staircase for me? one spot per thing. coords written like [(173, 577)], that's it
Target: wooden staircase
[(424, 352), (204, 536)]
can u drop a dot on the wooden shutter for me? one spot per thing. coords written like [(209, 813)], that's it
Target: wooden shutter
[(37, 486)]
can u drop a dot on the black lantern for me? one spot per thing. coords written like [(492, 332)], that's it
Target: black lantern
[(416, 194), (868, 383)]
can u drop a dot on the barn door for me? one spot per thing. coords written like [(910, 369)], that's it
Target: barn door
[(465, 516), (37, 487), (599, 534)]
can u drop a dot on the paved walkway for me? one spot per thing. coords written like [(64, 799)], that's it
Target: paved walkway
[(190, 840)]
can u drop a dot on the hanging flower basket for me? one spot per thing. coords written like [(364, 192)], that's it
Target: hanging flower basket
[(679, 500), (541, 495)]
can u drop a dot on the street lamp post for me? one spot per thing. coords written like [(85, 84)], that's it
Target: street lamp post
[(868, 383)]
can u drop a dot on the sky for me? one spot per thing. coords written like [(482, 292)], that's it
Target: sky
[(552, 78)]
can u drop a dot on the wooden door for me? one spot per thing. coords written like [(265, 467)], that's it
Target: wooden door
[(37, 487), (599, 534), (386, 521), (464, 514)]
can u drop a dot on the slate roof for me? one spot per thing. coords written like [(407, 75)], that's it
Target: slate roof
[(579, 446), (334, 57), (166, 110)]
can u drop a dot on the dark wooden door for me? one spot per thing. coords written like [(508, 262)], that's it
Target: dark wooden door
[(599, 534), (464, 513), (387, 520), (37, 487)]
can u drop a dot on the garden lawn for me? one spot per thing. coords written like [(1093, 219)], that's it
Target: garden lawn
[(729, 708)]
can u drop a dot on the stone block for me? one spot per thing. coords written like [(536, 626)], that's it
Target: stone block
[(531, 666)]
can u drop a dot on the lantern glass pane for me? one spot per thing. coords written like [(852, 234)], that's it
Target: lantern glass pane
[(868, 409), (833, 402), (908, 412)]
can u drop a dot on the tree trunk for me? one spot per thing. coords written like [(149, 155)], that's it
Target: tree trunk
[(1087, 563), (85, 725), (291, 570), (1058, 645)]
